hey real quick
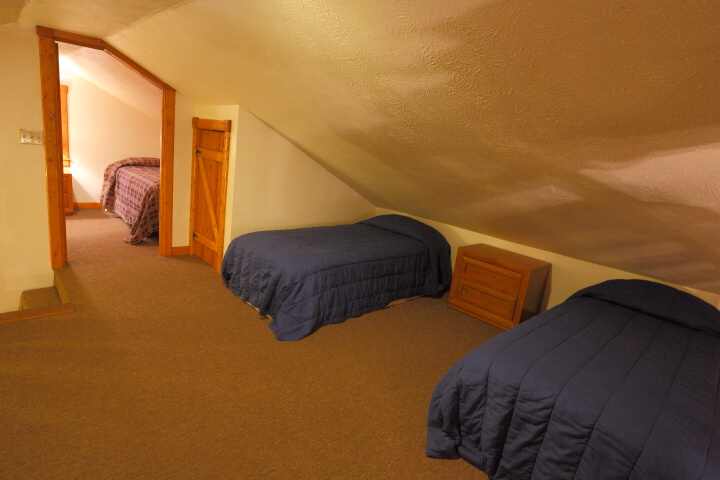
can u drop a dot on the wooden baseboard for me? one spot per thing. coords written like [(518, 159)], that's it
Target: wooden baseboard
[(87, 205), (36, 312), (180, 251)]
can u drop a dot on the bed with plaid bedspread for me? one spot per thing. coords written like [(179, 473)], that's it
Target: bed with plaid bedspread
[(131, 188)]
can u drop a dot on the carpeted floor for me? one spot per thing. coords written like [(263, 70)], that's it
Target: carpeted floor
[(161, 372)]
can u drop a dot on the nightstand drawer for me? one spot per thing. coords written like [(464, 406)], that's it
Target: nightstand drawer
[(497, 286), (495, 278), (483, 299)]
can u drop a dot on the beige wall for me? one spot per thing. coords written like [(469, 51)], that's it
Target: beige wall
[(279, 186), (274, 185), (103, 129), (568, 275), (24, 240)]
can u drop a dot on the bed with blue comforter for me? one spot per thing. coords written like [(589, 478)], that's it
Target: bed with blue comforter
[(310, 277), (618, 382)]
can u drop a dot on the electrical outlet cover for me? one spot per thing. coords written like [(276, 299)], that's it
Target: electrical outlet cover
[(31, 137)]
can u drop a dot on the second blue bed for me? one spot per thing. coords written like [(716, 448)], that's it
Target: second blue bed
[(310, 277)]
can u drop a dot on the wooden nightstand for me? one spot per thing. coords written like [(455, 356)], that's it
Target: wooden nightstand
[(497, 286)]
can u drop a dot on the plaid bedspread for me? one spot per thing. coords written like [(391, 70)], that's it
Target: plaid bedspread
[(131, 188)]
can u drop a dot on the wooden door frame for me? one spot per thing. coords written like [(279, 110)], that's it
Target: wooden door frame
[(224, 126), (50, 89)]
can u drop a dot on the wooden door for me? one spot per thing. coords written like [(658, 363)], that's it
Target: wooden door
[(211, 144)]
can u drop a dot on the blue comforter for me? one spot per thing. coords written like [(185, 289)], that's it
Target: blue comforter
[(310, 277), (621, 381)]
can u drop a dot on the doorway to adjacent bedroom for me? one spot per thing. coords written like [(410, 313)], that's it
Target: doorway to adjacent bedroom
[(57, 190), (109, 113)]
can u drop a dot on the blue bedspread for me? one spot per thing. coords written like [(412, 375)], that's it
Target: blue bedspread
[(310, 277), (621, 381)]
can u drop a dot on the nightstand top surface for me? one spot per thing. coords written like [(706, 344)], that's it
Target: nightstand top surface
[(489, 252)]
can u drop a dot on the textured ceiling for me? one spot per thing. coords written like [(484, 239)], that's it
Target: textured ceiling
[(10, 10), (113, 76), (589, 128), (95, 18)]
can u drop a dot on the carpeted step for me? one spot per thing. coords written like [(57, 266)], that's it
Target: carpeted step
[(39, 297)]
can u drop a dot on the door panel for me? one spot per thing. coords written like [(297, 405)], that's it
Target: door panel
[(209, 187)]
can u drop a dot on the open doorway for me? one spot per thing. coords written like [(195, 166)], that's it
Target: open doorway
[(51, 102), (109, 114)]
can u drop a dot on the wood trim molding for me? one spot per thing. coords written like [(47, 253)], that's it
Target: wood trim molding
[(73, 38), (50, 90), (36, 312), (167, 159), (114, 52), (87, 205)]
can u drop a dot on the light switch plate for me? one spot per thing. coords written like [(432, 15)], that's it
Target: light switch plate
[(31, 137)]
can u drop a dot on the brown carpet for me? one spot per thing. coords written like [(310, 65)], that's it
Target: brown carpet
[(161, 372)]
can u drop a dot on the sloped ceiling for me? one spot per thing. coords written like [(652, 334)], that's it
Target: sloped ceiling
[(113, 76), (589, 128)]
